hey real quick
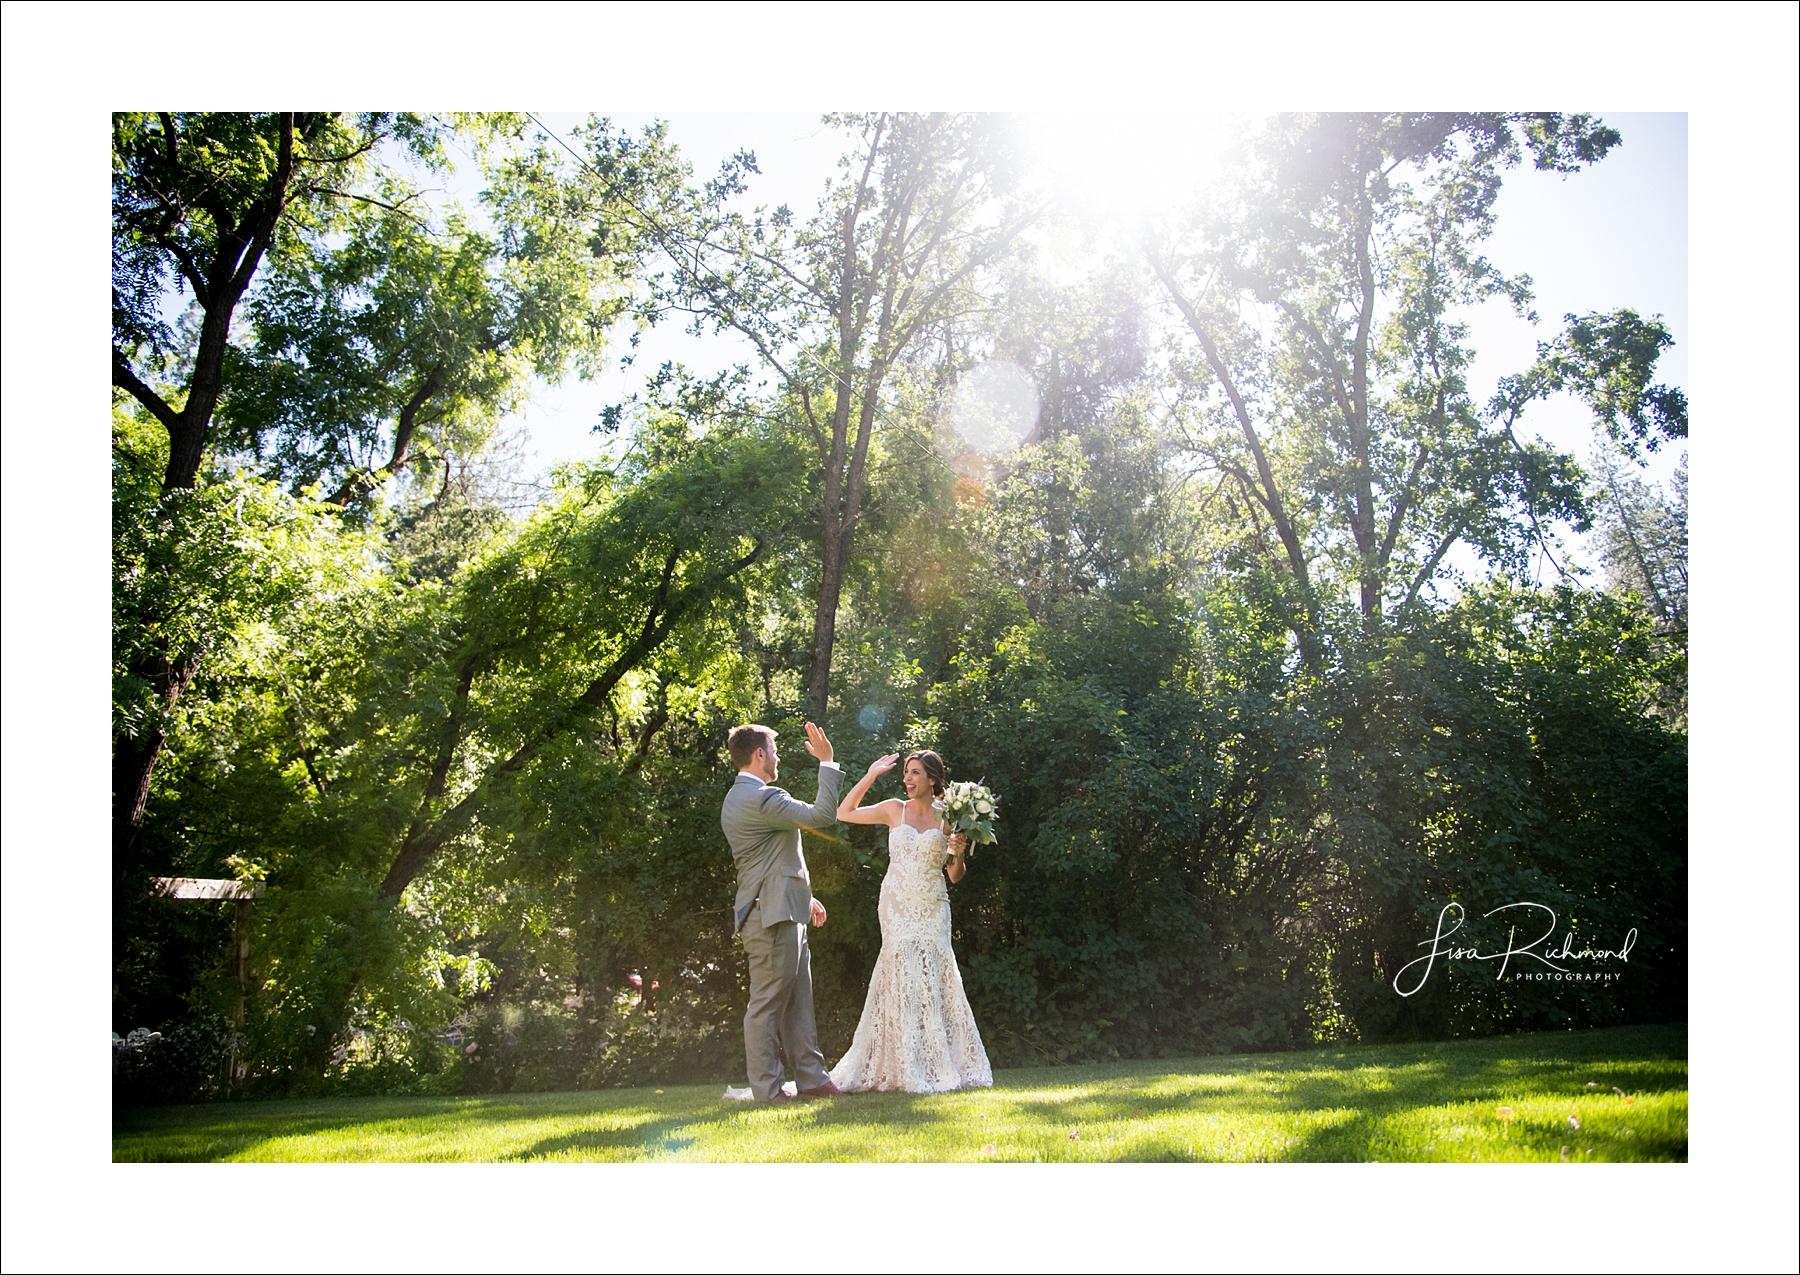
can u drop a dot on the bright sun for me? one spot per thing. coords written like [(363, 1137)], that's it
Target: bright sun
[(1118, 167)]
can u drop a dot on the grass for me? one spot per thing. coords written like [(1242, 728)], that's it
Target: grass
[(1626, 1088)]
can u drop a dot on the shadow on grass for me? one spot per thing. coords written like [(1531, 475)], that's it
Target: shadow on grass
[(220, 1132), (637, 1142), (1433, 1101)]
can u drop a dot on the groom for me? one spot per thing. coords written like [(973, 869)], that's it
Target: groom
[(774, 902)]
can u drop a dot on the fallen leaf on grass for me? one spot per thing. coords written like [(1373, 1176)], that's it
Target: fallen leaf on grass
[(659, 1091), (1574, 1123), (1505, 1113), (1618, 1091), (1593, 1084), (1629, 1101), (988, 1149), (1231, 1135), (1074, 1135), (1565, 1154)]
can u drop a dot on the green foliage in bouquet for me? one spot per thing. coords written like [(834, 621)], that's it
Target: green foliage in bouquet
[(970, 808)]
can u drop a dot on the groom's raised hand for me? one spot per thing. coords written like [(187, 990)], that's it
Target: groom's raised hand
[(816, 743)]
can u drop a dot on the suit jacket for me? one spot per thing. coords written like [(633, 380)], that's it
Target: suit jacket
[(763, 824)]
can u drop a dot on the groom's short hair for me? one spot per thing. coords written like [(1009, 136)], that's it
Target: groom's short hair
[(745, 740)]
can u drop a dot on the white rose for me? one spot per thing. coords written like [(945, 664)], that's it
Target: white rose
[(984, 807)]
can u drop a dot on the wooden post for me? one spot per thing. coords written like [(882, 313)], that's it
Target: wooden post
[(244, 894), (240, 960)]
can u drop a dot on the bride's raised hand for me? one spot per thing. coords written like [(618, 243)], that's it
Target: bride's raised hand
[(881, 765)]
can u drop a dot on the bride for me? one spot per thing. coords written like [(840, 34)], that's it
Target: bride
[(916, 1033)]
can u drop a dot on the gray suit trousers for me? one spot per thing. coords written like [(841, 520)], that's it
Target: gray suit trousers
[(778, 1025)]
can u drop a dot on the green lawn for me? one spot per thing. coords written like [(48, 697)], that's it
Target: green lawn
[(1627, 1088)]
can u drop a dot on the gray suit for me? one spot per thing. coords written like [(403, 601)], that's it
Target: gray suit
[(774, 905)]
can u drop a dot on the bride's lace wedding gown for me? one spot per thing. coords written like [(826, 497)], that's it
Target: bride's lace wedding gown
[(916, 1033)]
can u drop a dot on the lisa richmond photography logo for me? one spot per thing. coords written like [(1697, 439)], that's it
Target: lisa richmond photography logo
[(1536, 960)]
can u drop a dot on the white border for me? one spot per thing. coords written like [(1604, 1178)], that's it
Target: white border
[(1731, 66)]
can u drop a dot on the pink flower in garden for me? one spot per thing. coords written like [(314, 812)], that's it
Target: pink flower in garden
[(471, 1049)]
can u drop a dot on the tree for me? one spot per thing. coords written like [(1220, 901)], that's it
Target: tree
[(378, 323), (1083, 501), (1329, 384), (836, 305), (1643, 537), (197, 200), (394, 329), (548, 626)]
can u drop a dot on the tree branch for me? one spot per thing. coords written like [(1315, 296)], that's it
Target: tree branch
[(1401, 505), (1272, 497), (663, 615), (1437, 556), (124, 378)]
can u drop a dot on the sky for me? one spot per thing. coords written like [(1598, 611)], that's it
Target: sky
[(1611, 236)]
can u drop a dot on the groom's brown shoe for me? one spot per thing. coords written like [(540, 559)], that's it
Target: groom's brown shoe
[(826, 1090), (780, 1098)]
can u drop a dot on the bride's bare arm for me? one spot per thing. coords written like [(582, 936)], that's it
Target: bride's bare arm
[(882, 812)]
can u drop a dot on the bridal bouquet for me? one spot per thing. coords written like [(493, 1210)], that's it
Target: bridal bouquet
[(969, 808)]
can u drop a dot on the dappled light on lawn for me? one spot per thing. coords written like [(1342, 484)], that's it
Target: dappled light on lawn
[(1427, 1102)]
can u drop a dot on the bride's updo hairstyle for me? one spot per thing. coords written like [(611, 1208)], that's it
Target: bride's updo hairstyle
[(934, 769)]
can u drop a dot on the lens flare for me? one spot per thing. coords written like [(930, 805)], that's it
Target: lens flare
[(871, 718), (995, 407)]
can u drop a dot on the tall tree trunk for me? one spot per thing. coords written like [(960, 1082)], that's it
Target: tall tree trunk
[(843, 509), (831, 589), (133, 761), (135, 757), (1263, 489), (236, 257)]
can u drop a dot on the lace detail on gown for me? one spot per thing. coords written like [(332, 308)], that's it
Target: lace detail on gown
[(917, 1032)]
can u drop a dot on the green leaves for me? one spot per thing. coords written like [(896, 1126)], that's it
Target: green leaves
[(1188, 628), (197, 195), (1607, 361), (1341, 412), (398, 330)]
